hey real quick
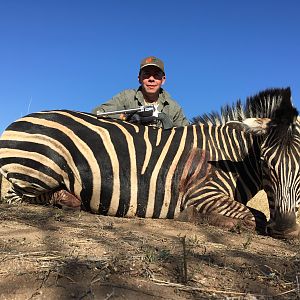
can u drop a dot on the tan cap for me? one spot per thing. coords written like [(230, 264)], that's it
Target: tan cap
[(152, 61)]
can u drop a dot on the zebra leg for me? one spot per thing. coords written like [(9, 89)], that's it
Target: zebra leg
[(15, 196), (190, 214), (61, 198), (227, 213), (12, 197), (65, 199), (218, 220), (218, 209), (249, 218)]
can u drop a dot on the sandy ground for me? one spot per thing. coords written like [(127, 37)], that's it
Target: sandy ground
[(51, 253)]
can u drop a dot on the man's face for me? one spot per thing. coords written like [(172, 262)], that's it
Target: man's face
[(151, 78)]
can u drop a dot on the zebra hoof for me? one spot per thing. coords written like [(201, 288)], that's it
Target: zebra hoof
[(228, 223), (190, 214), (65, 199)]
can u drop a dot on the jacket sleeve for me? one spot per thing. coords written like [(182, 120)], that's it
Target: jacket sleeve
[(117, 102), (179, 118)]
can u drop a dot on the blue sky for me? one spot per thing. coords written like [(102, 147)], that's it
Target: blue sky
[(77, 54)]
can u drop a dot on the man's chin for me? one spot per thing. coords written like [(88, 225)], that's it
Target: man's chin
[(151, 91)]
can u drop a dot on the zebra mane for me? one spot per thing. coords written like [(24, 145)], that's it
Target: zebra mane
[(265, 104)]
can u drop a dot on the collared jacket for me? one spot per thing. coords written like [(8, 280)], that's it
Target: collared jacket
[(133, 98)]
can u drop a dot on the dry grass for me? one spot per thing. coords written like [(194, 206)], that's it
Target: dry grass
[(85, 256), (50, 253)]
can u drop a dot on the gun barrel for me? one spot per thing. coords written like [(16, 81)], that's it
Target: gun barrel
[(122, 111)]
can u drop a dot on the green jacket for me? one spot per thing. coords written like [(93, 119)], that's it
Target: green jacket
[(133, 98)]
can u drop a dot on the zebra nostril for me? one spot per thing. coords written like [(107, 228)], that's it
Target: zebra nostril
[(284, 221), (279, 230)]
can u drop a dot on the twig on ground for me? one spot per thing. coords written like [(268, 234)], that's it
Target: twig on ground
[(286, 292), (110, 295), (64, 276), (298, 285), (184, 267), (98, 219), (120, 286), (192, 288)]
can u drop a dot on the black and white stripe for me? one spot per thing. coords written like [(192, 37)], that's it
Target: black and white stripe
[(120, 169)]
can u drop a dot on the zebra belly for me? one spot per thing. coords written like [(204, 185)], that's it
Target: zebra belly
[(142, 201)]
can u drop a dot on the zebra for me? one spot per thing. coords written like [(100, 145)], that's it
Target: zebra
[(207, 170)]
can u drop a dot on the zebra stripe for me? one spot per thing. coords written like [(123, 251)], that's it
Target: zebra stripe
[(145, 165), (121, 169)]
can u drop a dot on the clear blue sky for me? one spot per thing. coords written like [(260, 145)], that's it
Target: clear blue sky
[(71, 54)]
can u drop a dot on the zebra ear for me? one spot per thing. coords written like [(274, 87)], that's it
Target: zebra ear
[(237, 125), (257, 126)]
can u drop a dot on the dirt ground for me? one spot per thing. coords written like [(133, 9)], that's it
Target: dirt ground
[(51, 253)]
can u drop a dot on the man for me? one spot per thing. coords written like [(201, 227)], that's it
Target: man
[(151, 78)]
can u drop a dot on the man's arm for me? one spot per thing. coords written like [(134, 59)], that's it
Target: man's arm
[(117, 102), (176, 113), (179, 118)]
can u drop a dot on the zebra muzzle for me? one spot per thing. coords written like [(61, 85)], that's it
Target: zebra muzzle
[(283, 226)]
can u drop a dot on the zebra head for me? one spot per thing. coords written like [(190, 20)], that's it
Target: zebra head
[(278, 129)]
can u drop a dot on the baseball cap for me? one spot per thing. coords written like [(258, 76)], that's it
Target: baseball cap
[(152, 61)]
